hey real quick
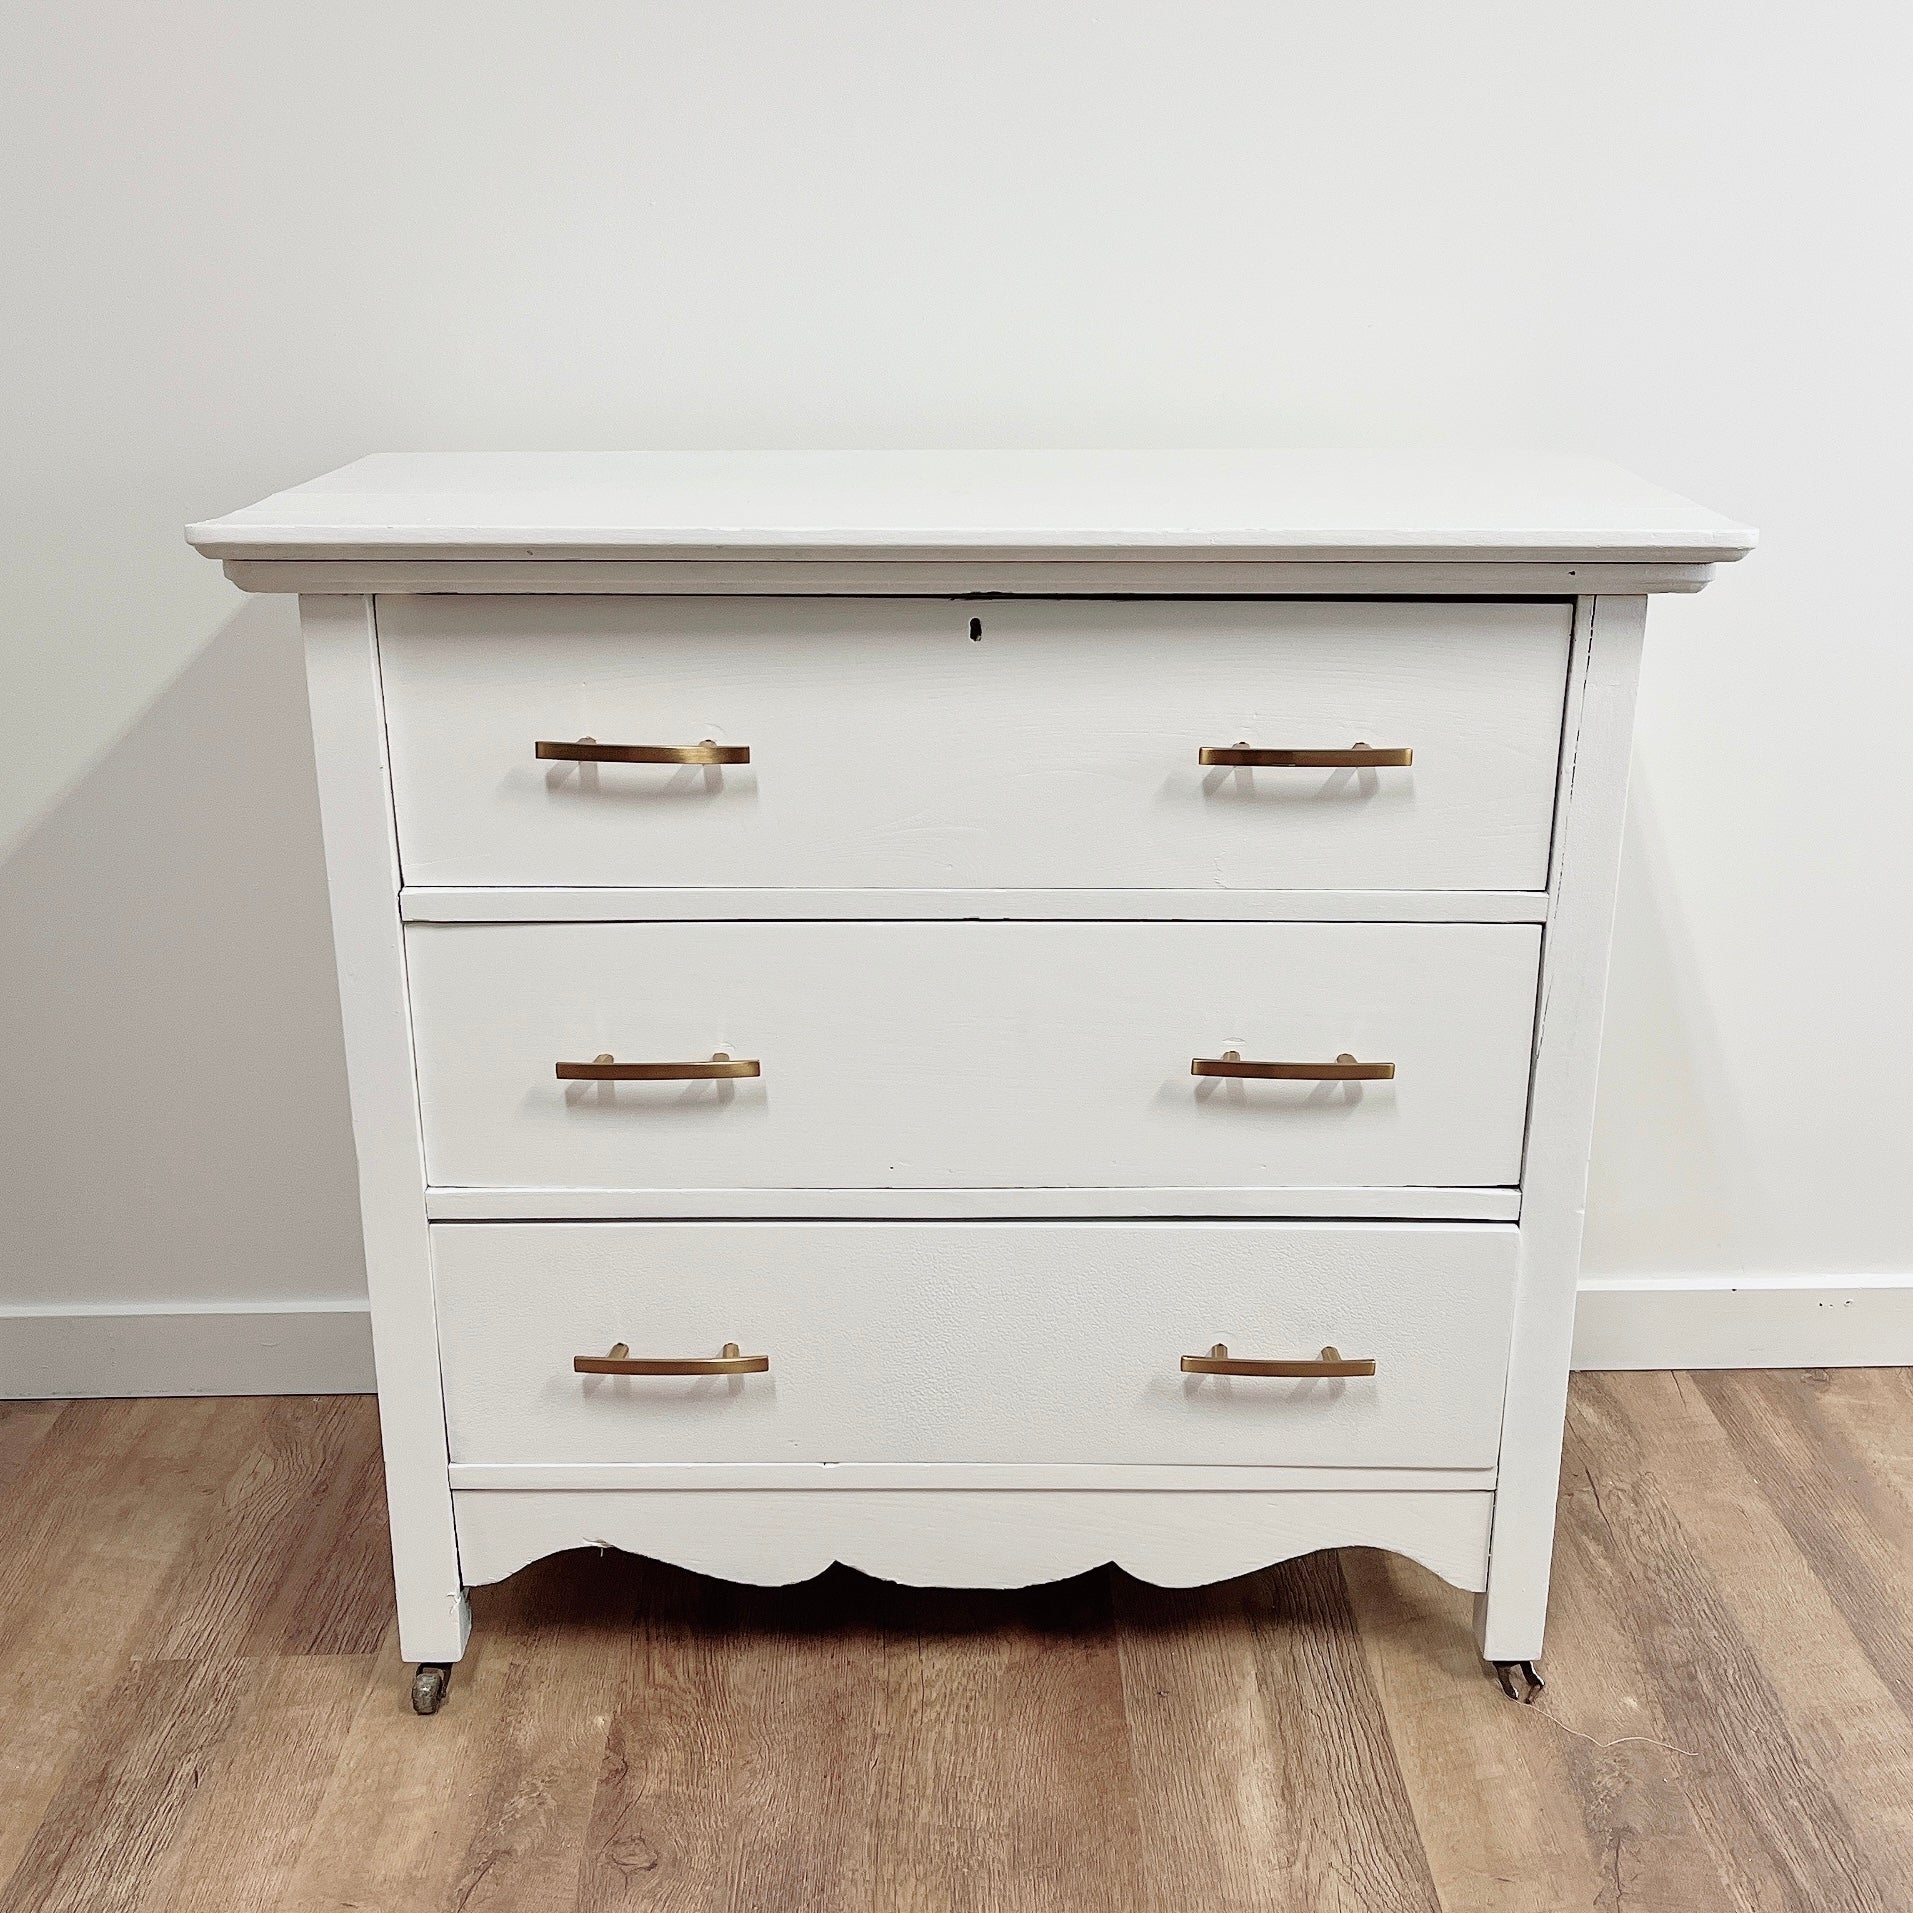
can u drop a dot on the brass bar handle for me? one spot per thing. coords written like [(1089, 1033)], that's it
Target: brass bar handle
[(607, 1069), (1356, 757), (622, 1362), (1331, 1361), (1344, 1069), (587, 750)]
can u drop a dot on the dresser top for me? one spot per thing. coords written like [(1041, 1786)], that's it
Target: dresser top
[(1330, 506)]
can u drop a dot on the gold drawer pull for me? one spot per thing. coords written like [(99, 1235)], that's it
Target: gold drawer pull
[(1356, 757), (607, 1069), (588, 750), (622, 1362), (1219, 1361), (1344, 1069)]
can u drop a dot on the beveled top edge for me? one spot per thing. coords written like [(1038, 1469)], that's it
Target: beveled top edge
[(1229, 506)]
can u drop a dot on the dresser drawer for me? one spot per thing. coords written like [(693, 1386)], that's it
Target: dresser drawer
[(968, 1055), (987, 1342), (1057, 749)]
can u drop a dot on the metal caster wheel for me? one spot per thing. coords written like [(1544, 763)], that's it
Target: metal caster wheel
[(428, 1687), (1509, 1673)]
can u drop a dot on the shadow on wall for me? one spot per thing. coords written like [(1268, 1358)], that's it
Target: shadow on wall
[(175, 1126), (1662, 1198)]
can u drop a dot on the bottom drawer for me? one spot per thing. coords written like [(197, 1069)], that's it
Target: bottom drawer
[(980, 1342)]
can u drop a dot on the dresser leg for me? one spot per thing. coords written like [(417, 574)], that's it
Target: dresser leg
[(1511, 1616), (435, 1621), (1518, 1679)]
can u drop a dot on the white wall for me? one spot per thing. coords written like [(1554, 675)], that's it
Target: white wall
[(247, 242)]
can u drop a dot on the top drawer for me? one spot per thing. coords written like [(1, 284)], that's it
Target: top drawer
[(1056, 748)]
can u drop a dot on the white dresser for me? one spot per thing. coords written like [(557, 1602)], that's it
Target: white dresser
[(972, 1014)]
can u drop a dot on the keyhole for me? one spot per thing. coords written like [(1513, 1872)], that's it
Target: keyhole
[(976, 630)]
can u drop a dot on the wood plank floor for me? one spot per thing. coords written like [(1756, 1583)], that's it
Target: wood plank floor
[(202, 1707)]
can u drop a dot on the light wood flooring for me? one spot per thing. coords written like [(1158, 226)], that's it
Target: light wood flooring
[(201, 1705)]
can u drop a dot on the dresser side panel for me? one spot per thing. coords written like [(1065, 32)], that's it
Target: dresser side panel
[(348, 732), (1603, 677)]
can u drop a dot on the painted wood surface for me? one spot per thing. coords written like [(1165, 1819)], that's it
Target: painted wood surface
[(1736, 1321), (976, 1341), (1109, 577), (550, 903), (1587, 853), (977, 1012), (830, 1477), (972, 1054), (205, 1704), (1221, 504), (355, 803), (1422, 1202), (942, 745), (966, 1540)]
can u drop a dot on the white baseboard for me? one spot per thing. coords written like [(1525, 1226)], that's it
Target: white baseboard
[(301, 1348), (1764, 1321), (325, 1348)]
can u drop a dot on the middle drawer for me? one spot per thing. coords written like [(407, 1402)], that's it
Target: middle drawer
[(973, 1055)]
